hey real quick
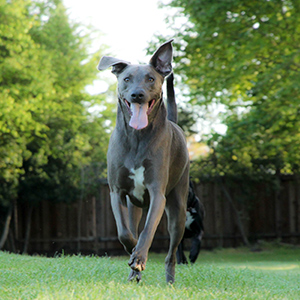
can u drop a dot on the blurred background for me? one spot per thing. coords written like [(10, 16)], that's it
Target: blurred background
[(236, 67)]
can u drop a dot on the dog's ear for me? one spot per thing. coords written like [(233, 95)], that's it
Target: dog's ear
[(118, 65), (162, 59)]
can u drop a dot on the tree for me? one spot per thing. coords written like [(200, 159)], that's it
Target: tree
[(245, 56), (17, 73), (19, 62), (56, 157), (46, 132)]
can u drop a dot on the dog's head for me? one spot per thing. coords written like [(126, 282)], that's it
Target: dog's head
[(140, 86)]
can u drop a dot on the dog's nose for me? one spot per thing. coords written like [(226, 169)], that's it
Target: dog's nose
[(137, 96)]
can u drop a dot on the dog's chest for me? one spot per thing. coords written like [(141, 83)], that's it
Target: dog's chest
[(137, 175), (189, 220)]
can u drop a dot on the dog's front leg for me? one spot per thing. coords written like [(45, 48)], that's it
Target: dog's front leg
[(121, 215), (181, 258), (196, 246), (140, 253)]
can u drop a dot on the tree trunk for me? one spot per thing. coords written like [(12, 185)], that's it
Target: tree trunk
[(79, 213), (278, 218), (12, 243), (238, 217), (6, 226), (28, 229)]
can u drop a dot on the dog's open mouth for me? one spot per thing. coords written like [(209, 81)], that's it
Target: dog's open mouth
[(150, 106), (139, 113)]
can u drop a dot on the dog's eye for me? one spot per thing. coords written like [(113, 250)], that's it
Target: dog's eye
[(126, 79), (151, 79)]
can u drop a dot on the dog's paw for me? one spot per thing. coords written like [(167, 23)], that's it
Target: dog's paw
[(137, 263), (135, 275)]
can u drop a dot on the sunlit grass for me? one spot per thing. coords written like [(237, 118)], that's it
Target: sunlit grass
[(223, 274)]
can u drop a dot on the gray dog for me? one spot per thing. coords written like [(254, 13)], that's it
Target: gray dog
[(148, 163)]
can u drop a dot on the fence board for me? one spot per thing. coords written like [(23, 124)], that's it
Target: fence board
[(271, 215)]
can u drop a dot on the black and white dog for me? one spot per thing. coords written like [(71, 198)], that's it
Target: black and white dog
[(193, 227)]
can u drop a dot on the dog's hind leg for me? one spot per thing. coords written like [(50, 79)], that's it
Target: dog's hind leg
[(135, 215), (176, 219), (176, 214)]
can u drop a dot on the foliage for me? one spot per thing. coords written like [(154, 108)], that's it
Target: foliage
[(225, 274), (245, 56), (17, 73), (47, 133)]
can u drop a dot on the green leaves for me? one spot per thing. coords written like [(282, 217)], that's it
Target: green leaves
[(246, 55), (46, 132)]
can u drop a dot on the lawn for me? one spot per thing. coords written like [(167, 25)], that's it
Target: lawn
[(273, 273)]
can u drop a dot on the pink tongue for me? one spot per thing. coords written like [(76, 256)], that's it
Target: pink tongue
[(139, 118)]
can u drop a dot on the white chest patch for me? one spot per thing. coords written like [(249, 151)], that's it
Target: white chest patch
[(189, 220), (138, 178)]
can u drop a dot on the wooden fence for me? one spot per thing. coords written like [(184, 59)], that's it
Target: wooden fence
[(89, 227)]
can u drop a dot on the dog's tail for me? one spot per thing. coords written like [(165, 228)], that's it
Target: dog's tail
[(171, 102)]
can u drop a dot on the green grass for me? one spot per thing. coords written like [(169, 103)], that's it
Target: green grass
[(273, 273)]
